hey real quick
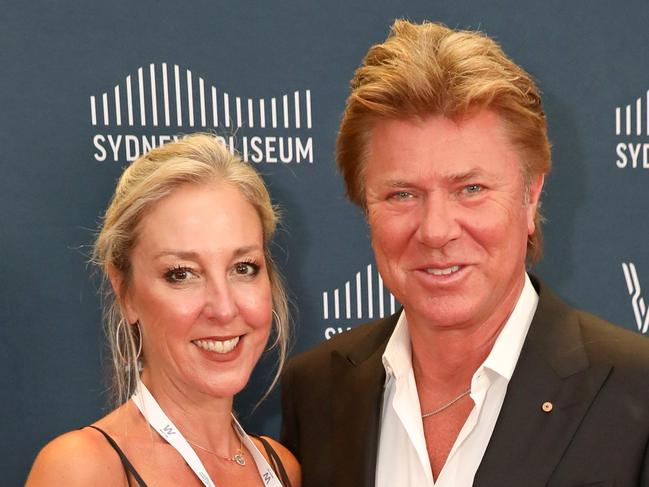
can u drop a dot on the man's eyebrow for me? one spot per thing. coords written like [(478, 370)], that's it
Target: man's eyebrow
[(467, 175), (397, 183), (453, 177)]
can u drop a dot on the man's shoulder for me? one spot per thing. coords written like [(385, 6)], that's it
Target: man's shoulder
[(360, 341), (603, 341), (612, 342)]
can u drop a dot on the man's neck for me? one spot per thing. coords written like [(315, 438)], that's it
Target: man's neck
[(450, 354)]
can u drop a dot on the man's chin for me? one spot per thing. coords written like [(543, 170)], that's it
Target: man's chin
[(442, 315)]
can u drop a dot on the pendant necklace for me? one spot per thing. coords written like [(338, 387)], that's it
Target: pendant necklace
[(237, 458)]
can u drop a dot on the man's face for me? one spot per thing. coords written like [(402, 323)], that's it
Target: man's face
[(449, 219)]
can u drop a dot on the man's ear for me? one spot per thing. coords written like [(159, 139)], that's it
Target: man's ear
[(533, 197), (118, 285)]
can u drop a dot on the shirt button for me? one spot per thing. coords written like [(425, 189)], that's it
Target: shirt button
[(547, 406)]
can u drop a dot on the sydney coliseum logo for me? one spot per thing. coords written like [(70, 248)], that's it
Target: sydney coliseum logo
[(161, 101)]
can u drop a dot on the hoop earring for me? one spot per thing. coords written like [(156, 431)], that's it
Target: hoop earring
[(277, 329), (118, 347), (139, 339), (122, 325)]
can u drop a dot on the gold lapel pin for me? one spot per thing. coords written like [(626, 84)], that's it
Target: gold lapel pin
[(547, 406)]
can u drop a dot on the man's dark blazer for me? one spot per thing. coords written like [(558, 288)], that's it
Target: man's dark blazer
[(596, 376)]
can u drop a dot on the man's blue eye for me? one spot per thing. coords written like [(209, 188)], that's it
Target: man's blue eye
[(401, 195), (473, 188)]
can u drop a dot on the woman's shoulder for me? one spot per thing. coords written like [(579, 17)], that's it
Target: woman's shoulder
[(289, 461), (80, 457)]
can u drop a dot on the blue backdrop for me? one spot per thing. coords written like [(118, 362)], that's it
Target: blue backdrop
[(86, 86)]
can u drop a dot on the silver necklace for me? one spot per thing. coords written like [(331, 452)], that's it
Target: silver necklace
[(237, 458), (447, 405)]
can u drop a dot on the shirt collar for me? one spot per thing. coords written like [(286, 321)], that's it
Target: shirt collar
[(507, 347), (397, 359)]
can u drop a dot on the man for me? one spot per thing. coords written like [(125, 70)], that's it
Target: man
[(485, 378)]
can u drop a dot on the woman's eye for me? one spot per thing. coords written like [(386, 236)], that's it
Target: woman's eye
[(178, 274), (246, 268)]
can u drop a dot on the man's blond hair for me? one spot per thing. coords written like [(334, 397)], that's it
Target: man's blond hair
[(428, 69)]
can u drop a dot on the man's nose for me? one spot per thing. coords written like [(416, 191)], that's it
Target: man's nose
[(438, 223)]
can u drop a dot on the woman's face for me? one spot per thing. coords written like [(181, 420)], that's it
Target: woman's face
[(200, 290)]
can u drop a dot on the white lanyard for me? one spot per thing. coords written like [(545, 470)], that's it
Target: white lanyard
[(156, 417)]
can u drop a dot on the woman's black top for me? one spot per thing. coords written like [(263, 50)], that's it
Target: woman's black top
[(275, 461)]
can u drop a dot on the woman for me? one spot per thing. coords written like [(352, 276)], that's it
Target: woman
[(192, 293)]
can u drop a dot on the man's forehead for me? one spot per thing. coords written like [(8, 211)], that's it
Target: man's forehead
[(456, 149)]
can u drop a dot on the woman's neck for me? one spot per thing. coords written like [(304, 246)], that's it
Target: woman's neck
[(202, 419)]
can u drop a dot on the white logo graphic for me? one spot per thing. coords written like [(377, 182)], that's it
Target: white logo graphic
[(637, 301), (361, 303), (166, 97), (633, 154)]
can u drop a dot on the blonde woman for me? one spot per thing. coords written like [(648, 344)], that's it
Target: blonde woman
[(192, 299)]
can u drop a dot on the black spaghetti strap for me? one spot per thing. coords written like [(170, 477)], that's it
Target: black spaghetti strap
[(275, 461), (128, 467)]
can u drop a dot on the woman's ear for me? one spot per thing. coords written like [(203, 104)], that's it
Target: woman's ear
[(117, 283)]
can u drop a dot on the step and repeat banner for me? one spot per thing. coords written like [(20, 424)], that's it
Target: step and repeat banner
[(87, 87)]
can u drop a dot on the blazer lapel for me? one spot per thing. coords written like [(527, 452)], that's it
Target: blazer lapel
[(357, 383), (553, 370)]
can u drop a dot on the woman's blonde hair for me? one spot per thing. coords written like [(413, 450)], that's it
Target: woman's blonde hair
[(429, 69), (194, 159)]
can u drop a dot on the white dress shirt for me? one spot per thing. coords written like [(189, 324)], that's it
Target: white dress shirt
[(402, 456)]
